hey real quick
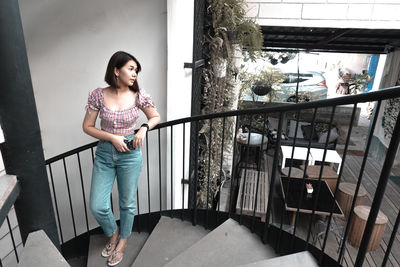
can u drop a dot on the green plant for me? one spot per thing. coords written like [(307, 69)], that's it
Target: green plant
[(270, 78), (358, 81), (229, 34), (231, 26)]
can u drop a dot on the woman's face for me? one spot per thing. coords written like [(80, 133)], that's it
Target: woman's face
[(127, 73)]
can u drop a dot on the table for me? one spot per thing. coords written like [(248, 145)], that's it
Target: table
[(299, 153), (294, 172), (293, 187), (331, 156), (328, 174)]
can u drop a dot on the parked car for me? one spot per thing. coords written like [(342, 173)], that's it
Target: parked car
[(312, 86)]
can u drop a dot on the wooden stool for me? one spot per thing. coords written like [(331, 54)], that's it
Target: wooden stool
[(294, 173), (346, 194), (357, 227), (328, 174)]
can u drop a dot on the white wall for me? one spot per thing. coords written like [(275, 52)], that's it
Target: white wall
[(69, 44), (180, 47), (373, 14)]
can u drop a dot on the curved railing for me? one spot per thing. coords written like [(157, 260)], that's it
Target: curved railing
[(170, 187)]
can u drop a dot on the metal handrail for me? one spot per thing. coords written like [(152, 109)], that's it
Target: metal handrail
[(281, 110)]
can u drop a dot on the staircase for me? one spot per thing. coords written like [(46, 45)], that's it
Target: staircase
[(174, 242)]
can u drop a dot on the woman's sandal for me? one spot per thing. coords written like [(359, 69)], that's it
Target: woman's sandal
[(109, 249), (115, 258)]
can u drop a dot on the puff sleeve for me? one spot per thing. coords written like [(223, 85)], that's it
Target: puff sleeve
[(94, 100), (144, 100)]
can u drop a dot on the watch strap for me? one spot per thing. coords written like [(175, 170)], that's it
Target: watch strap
[(145, 125)]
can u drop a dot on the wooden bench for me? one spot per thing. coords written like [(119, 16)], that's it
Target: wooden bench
[(249, 193)]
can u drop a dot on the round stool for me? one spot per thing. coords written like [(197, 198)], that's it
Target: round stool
[(346, 194), (357, 227)]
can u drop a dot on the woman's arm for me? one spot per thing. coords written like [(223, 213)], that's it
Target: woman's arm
[(153, 118), (89, 127)]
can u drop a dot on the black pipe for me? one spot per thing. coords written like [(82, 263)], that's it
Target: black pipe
[(23, 153)]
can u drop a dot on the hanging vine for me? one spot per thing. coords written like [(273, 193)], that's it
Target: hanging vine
[(229, 32)]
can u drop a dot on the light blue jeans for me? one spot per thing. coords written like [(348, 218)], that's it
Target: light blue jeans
[(126, 167)]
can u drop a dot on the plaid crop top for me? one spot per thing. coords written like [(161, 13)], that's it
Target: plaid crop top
[(120, 121)]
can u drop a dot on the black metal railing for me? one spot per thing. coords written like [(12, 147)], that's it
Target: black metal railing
[(166, 165), (10, 241)]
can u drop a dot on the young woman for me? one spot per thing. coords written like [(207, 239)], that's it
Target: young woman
[(118, 108)]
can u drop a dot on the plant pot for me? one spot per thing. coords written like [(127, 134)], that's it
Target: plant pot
[(261, 90), (219, 68)]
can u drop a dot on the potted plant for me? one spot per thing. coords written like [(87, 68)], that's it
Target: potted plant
[(263, 81)]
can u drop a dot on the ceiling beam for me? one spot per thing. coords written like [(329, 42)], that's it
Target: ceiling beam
[(334, 36)]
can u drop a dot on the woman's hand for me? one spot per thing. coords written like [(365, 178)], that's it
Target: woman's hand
[(138, 139), (119, 144)]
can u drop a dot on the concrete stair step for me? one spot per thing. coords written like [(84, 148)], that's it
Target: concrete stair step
[(301, 259), (97, 243), (230, 244), (169, 238), (40, 251)]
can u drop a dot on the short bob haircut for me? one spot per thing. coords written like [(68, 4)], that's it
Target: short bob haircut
[(118, 60)]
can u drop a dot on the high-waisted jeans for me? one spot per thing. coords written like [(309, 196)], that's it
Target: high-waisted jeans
[(126, 167)]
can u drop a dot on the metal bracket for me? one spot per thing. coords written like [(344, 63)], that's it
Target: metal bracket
[(184, 181), (197, 64)]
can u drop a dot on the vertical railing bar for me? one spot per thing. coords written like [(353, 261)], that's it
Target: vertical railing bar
[(294, 142), (183, 173), (353, 115), (380, 191), (234, 168), (69, 196), (261, 153), (304, 176), (92, 153), (138, 210), (363, 164), (220, 169), (83, 192), (242, 195), (209, 170), (289, 174), (320, 173), (159, 167), (196, 173), (392, 237), (148, 177), (12, 238), (273, 176), (112, 202), (1, 263), (172, 166), (56, 204)]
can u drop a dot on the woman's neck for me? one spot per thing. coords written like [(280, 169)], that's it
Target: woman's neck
[(120, 90)]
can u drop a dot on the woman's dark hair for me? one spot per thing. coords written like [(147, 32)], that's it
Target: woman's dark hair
[(118, 60)]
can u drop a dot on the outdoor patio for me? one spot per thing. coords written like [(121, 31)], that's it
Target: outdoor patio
[(350, 174)]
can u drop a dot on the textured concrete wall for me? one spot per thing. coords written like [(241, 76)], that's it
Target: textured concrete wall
[(327, 13)]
